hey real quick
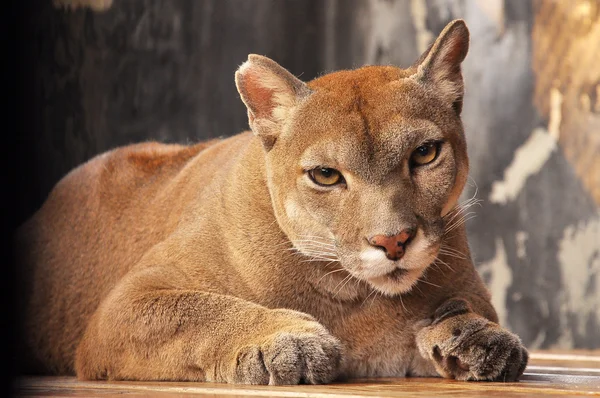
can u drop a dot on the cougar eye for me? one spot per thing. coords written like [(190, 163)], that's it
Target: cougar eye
[(425, 154), (325, 176)]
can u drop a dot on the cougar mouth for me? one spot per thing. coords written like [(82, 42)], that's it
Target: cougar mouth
[(397, 274)]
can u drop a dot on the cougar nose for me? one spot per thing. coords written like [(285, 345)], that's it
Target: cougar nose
[(394, 246)]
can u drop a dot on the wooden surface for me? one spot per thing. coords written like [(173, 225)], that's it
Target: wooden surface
[(572, 374)]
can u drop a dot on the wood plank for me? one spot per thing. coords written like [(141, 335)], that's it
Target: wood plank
[(553, 374)]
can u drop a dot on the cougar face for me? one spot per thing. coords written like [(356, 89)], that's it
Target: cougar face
[(363, 165), (369, 183)]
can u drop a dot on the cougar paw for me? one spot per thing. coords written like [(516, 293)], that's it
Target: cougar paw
[(290, 358), (478, 350)]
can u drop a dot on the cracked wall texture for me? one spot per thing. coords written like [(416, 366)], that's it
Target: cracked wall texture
[(163, 70)]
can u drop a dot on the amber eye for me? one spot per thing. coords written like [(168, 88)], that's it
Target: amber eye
[(325, 176), (425, 154)]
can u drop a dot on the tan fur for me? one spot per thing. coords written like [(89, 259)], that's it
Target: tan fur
[(223, 261)]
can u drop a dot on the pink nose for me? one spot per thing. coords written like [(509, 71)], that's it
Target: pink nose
[(394, 246)]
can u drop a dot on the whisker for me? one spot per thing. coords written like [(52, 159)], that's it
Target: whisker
[(461, 207), (448, 238), (343, 286), (437, 266), (451, 249), (444, 263), (314, 248), (342, 283), (280, 245), (310, 246), (316, 242), (460, 221), (321, 257), (319, 260), (316, 236), (377, 295), (402, 302), (283, 243), (419, 289), (325, 242), (369, 295), (310, 253), (307, 251), (427, 282), (452, 254), (329, 273), (330, 240)]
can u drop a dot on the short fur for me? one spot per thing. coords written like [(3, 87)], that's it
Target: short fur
[(224, 262)]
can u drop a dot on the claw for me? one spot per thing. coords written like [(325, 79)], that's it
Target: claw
[(462, 366)]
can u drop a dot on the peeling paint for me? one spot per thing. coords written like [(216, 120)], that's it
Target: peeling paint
[(500, 279), (383, 30), (529, 160), (521, 240), (579, 260), (565, 39), (556, 100), (582, 10), (424, 37), (96, 5), (494, 10), (531, 156), (544, 308)]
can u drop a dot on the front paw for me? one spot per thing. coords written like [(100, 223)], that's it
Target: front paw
[(469, 347), (306, 355)]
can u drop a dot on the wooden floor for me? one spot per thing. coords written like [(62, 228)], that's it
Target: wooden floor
[(572, 374)]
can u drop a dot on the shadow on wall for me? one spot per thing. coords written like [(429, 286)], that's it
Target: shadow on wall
[(147, 70)]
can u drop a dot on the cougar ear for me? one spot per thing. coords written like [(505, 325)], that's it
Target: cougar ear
[(269, 92), (440, 64)]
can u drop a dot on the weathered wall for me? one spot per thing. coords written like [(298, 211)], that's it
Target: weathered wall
[(164, 70)]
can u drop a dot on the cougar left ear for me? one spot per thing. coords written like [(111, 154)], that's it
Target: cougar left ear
[(269, 92), (440, 64)]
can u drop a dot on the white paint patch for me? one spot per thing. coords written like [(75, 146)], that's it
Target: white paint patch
[(494, 10), (582, 10), (500, 280), (579, 260), (556, 101), (531, 156), (383, 27), (418, 8), (521, 238), (529, 160)]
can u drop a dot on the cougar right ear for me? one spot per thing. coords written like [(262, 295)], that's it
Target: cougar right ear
[(269, 92), (440, 64)]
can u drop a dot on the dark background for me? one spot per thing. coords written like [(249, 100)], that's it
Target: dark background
[(88, 81)]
